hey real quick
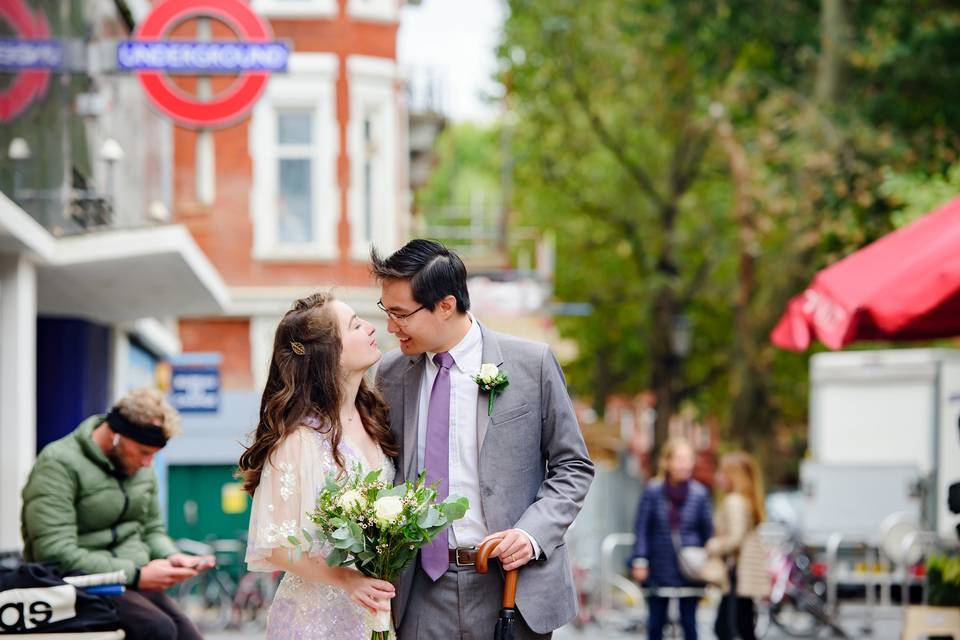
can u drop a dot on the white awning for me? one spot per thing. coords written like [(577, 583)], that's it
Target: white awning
[(115, 275)]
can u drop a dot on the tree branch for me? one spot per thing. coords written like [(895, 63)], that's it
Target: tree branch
[(706, 379), (606, 215), (696, 282), (607, 139), (693, 163)]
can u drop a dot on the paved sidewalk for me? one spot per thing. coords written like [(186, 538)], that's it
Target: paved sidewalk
[(886, 626)]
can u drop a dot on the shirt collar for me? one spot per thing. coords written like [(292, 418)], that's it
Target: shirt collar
[(467, 353)]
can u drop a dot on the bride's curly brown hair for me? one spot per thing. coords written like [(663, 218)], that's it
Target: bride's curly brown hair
[(304, 381)]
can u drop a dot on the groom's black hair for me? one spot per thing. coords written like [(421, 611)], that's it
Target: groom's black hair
[(433, 270)]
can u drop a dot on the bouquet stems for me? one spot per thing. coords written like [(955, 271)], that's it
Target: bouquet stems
[(380, 624)]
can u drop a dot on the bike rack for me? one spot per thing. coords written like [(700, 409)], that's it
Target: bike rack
[(607, 547), (607, 578)]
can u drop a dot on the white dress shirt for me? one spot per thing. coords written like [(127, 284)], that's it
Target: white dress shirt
[(464, 454)]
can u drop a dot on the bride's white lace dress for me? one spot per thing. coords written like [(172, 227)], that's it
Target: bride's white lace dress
[(288, 489)]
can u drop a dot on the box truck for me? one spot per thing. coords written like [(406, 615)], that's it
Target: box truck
[(884, 439)]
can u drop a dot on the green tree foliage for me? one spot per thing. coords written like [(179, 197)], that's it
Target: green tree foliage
[(702, 160), (468, 161)]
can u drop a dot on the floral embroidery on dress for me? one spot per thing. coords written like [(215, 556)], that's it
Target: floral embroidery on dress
[(275, 533), (288, 480)]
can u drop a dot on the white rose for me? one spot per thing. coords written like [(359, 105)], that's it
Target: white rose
[(351, 498), (388, 508), (488, 372)]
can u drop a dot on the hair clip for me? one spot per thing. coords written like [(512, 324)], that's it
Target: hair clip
[(298, 348)]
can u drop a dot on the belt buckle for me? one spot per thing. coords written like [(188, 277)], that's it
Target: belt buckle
[(465, 563)]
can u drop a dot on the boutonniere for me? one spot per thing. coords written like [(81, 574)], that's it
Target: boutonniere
[(492, 380)]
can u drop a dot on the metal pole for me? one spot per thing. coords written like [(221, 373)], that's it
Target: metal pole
[(832, 550), (870, 582)]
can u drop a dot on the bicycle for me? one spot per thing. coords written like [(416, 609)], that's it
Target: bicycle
[(797, 603), (207, 599), (252, 599), (217, 600)]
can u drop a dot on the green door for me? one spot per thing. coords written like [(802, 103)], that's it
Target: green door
[(206, 501)]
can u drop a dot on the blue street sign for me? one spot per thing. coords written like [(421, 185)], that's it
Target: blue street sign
[(175, 56), (195, 388), (30, 54)]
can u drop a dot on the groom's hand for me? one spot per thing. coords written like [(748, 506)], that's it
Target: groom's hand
[(514, 550)]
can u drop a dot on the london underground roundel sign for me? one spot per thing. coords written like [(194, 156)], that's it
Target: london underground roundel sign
[(31, 56), (253, 57)]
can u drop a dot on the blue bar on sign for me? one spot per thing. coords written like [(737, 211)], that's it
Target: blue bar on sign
[(178, 56), (30, 54)]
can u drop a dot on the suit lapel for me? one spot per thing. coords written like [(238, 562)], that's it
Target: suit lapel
[(491, 354), (412, 378)]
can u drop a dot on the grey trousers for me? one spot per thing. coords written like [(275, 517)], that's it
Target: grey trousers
[(462, 604)]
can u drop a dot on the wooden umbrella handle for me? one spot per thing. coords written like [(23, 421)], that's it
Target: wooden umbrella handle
[(510, 582)]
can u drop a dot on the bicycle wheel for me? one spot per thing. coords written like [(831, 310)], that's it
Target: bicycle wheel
[(252, 600), (794, 617), (206, 601)]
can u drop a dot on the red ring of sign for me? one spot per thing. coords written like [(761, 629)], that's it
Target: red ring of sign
[(29, 85), (182, 107)]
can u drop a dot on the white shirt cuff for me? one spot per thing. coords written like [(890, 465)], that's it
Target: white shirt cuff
[(533, 544)]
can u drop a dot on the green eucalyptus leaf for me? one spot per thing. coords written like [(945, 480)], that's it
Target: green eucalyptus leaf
[(429, 518), (455, 507), (398, 491), (336, 558)]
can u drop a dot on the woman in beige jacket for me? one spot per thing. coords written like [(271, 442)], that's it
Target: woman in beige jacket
[(737, 543)]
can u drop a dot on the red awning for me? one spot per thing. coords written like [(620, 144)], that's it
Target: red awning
[(904, 286)]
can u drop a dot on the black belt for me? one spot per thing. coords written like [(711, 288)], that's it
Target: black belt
[(463, 556)]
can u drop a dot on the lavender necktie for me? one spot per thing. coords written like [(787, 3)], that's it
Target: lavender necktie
[(436, 460)]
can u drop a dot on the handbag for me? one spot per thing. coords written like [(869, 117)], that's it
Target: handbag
[(692, 560), (35, 599)]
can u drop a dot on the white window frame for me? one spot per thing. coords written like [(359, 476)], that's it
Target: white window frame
[(310, 84), (374, 10), (373, 95), (295, 8), (306, 150)]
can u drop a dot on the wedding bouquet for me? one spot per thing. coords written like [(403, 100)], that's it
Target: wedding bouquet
[(378, 528)]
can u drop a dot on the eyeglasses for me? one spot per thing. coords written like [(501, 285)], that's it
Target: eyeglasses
[(396, 317)]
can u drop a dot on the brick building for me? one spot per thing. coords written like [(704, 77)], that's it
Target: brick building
[(283, 203)]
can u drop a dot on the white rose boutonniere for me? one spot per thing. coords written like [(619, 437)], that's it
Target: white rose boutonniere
[(492, 380)]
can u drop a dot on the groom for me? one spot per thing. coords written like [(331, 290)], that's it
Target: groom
[(523, 467)]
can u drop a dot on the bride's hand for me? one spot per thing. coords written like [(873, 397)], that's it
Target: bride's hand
[(369, 593)]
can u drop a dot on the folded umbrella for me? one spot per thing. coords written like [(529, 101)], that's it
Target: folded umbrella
[(508, 612)]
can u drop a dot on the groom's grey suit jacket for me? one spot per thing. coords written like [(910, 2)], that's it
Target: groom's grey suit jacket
[(534, 469)]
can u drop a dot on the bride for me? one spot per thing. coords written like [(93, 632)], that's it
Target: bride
[(318, 418)]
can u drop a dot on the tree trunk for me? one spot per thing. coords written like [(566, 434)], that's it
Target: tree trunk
[(746, 387), (664, 369), (834, 44)]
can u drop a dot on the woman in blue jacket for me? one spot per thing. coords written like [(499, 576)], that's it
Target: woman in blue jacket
[(673, 502)]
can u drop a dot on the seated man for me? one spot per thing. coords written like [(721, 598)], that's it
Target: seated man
[(90, 505)]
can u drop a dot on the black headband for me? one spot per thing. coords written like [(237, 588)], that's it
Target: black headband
[(148, 434)]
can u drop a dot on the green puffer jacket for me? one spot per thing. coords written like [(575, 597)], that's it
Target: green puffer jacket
[(78, 514)]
